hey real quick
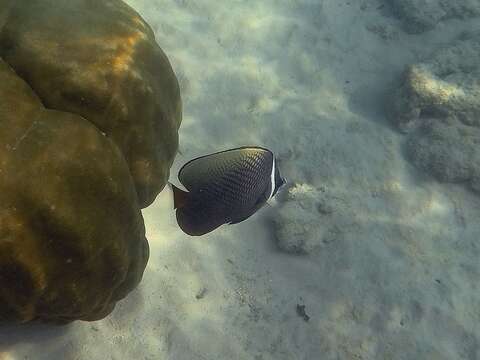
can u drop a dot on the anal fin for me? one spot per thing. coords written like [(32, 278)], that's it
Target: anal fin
[(239, 219)]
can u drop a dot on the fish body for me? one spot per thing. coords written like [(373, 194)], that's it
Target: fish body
[(226, 187)]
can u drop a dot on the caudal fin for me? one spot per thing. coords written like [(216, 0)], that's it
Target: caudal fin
[(179, 197)]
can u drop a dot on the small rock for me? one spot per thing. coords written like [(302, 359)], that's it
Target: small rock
[(201, 293), (301, 312)]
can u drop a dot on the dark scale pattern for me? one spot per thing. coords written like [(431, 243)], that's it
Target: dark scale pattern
[(225, 187)]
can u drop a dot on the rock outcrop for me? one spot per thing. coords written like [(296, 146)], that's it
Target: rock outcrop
[(88, 128), (438, 105), (423, 15)]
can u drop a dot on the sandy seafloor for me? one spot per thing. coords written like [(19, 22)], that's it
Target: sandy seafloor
[(396, 277)]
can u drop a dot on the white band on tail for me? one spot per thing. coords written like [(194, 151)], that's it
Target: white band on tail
[(272, 178)]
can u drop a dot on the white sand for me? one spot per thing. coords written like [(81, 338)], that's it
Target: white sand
[(308, 79)]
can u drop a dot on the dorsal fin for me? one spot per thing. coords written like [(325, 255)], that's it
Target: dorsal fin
[(201, 171)]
